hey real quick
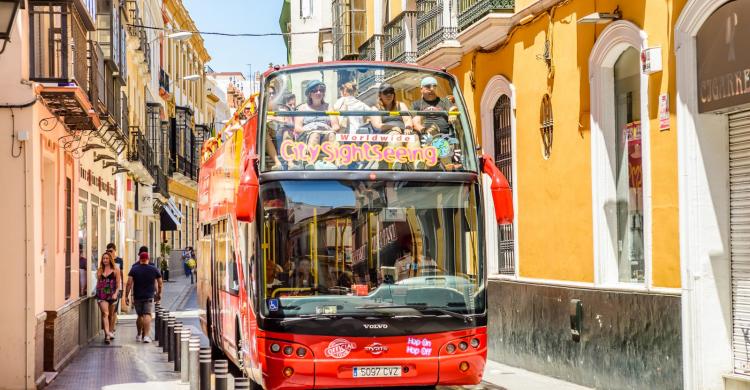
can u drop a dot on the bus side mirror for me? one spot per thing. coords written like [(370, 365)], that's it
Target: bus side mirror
[(247, 192), (502, 196)]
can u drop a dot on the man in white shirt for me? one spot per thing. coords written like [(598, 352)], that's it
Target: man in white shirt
[(347, 102)]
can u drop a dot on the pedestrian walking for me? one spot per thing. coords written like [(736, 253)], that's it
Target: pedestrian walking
[(146, 283), (107, 290), (115, 308)]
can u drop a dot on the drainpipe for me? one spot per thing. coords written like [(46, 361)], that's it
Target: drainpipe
[(28, 376)]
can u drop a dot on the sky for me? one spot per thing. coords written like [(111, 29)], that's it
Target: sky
[(237, 54)]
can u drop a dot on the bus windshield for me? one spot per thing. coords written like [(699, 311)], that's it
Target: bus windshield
[(364, 117), (351, 248)]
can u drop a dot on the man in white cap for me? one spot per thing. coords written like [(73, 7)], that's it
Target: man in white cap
[(430, 101)]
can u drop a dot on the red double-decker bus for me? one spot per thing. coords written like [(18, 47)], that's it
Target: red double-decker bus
[(342, 231)]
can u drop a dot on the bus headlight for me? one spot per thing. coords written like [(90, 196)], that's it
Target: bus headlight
[(288, 350), (301, 352), (475, 342), (463, 345), (275, 348), (450, 348)]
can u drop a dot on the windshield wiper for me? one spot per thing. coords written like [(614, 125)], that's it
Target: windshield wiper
[(337, 316), (422, 308)]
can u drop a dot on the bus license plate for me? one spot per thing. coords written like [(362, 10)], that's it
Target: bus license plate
[(376, 371)]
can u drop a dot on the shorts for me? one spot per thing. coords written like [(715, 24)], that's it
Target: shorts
[(144, 306)]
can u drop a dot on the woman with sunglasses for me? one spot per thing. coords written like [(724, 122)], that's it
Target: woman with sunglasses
[(394, 124), (387, 102), (309, 129)]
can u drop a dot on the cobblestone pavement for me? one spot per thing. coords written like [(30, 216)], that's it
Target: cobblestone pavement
[(126, 364)]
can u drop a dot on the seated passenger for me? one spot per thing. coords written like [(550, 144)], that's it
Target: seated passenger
[(275, 277), (396, 125), (438, 129), (347, 102), (309, 129)]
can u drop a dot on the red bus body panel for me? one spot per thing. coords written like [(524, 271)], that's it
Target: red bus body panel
[(427, 366), (329, 360)]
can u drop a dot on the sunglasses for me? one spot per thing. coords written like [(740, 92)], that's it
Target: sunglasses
[(318, 90)]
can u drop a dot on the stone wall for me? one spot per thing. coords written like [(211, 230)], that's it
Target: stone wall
[(628, 339)]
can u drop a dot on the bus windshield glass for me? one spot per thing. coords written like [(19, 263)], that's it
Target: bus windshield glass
[(364, 117), (352, 248)]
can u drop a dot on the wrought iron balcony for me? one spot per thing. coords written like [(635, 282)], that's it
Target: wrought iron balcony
[(400, 38), (62, 57), (368, 50), (139, 151), (470, 11), (137, 32), (433, 26), (161, 182)]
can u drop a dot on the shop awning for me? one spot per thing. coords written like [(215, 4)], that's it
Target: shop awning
[(170, 217)]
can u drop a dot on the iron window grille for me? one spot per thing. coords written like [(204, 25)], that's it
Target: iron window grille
[(546, 126)]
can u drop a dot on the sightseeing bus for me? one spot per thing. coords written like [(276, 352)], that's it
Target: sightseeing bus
[(342, 231)]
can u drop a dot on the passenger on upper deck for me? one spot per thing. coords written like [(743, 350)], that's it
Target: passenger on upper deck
[(430, 101), (348, 102), (309, 129)]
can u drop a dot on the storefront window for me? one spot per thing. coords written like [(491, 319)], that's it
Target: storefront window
[(629, 172)]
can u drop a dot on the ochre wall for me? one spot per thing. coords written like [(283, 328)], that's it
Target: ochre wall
[(554, 196)]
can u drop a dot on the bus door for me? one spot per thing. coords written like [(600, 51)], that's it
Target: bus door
[(215, 285)]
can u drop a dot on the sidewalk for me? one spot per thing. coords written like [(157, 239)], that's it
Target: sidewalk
[(125, 363), (511, 378)]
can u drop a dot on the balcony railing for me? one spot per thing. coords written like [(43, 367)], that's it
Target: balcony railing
[(136, 30), (62, 55), (400, 38), (470, 11), (432, 26), (161, 183), (368, 50), (139, 150)]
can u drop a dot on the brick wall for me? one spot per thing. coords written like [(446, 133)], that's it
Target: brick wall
[(61, 335), (39, 349)]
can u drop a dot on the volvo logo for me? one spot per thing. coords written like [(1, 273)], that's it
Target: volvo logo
[(376, 348), (375, 326)]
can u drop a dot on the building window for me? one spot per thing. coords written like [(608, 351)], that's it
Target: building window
[(629, 169), (546, 125), (82, 243), (68, 234), (350, 30), (306, 9), (112, 223), (504, 161)]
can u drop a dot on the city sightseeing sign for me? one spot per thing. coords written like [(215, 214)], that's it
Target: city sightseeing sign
[(353, 148)]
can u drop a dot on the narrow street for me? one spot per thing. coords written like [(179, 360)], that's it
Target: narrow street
[(126, 363)]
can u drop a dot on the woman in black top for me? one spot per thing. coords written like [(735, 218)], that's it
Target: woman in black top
[(107, 290)]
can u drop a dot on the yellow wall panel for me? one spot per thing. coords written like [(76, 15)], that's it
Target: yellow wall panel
[(555, 221)]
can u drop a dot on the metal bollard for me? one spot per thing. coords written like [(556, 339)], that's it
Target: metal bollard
[(163, 331), (168, 345), (165, 334), (205, 368), (221, 371), (184, 351), (157, 322), (193, 375), (241, 384), (177, 346), (160, 328)]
